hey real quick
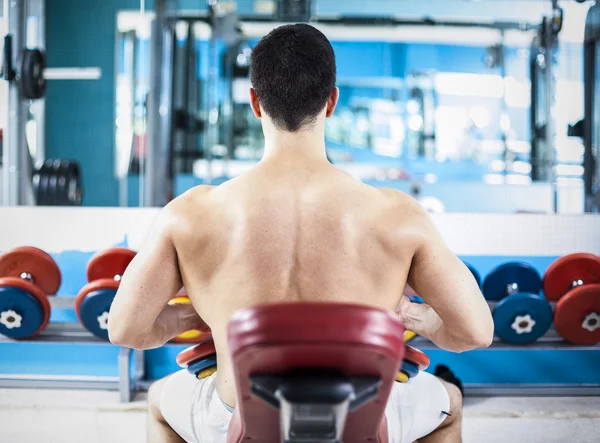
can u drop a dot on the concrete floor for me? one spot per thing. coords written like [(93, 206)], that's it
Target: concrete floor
[(52, 416)]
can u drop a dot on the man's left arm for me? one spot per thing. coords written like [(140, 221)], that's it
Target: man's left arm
[(140, 316)]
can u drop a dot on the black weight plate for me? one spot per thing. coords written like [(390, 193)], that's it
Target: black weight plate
[(53, 182), (74, 185), (42, 194), (62, 187), (33, 83), (70, 189)]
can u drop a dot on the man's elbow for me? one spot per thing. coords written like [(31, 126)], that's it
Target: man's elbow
[(480, 338), (483, 340), (119, 336)]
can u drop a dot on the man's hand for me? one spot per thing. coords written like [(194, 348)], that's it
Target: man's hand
[(419, 318), (186, 319)]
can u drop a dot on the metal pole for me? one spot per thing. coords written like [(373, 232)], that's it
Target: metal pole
[(130, 72), (17, 186), (534, 70), (212, 132), (191, 81), (155, 176), (37, 8), (147, 163), (504, 106), (549, 156), (228, 105)]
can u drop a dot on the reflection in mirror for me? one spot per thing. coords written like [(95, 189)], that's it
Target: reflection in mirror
[(458, 114)]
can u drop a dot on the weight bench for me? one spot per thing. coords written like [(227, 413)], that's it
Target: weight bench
[(311, 372)]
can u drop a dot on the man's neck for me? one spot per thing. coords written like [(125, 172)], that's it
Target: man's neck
[(298, 146)]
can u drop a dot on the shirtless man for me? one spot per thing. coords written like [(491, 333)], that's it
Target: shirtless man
[(295, 228)]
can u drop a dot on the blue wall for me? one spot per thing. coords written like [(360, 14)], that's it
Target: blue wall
[(80, 114)]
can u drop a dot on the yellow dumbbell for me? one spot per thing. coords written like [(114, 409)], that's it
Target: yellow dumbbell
[(193, 336), (401, 377), (206, 373), (409, 336)]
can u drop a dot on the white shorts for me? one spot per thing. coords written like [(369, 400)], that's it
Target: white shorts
[(194, 410)]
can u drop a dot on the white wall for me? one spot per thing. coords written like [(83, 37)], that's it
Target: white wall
[(91, 229)]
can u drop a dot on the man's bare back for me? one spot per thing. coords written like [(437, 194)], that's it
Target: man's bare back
[(291, 234)]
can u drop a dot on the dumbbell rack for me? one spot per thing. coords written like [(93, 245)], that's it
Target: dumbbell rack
[(551, 341), (130, 362)]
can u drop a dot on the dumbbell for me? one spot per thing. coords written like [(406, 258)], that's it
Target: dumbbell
[(414, 361), (573, 281), (104, 272), (27, 276), (521, 315), (199, 360), (195, 335)]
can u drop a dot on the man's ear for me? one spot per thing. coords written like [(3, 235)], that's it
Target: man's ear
[(332, 101), (255, 104)]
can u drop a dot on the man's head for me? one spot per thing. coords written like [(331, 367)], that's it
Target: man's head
[(293, 77)]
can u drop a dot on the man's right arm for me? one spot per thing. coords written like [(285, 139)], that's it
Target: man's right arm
[(455, 317)]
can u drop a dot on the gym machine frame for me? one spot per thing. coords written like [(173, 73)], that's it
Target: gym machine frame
[(26, 73), (591, 132), (543, 87)]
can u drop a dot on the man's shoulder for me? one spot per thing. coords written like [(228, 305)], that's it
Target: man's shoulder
[(400, 200), (198, 195), (190, 204), (404, 214)]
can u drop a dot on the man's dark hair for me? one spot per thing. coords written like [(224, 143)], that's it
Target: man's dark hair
[(293, 71)]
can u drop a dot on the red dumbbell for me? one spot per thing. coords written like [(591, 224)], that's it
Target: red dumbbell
[(27, 276), (93, 302)]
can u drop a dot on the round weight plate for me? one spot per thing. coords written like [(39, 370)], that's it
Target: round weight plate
[(34, 261), (198, 366), (401, 377), (416, 357), (53, 183), (193, 336), (577, 315), (92, 305), (196, 352), (475, 274), (410, 369), (409, 336), (496, 284), (206, 373), (62, 189), (32, 74), (35, 180), (109, 263), (522, 318), (45, 194), (560, 275), (180, 300), (75, 186), (69, 189), (24, 308)]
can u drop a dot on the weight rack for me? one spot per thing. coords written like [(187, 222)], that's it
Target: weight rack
[(74, 333), (131, 361)]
